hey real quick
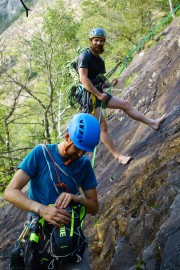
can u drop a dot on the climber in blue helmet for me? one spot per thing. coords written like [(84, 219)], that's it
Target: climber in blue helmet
[(80, 131), (58, 175), (92, 92)]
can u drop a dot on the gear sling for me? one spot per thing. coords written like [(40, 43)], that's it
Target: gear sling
[(42, 246)]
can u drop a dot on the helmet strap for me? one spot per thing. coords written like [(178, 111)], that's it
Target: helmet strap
[(67, 146), (65, 152)]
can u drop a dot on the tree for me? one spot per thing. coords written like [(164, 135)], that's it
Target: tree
[(33, 88), (171, 8)]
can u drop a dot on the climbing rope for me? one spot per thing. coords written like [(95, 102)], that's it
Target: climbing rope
[(126, 60)]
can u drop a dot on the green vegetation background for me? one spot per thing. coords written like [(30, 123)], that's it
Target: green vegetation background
[(34, 68)]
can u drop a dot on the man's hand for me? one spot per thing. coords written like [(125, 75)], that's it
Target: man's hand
[(88, 199), (55, 216), (64, 200), (114, 82), (102, 96)]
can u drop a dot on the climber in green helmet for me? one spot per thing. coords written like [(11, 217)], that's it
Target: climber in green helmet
[(59, 175), (91, 69)]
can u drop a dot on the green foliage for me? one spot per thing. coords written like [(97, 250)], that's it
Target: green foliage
[(30, 74), (130, 79), (140, 265), (36, 112), (126, 23), (149, 44), (34, 87)]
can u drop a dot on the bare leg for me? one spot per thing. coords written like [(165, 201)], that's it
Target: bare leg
[(117, 103), (106, 139)]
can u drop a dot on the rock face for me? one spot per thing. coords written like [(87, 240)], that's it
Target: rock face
[(9, 9), (137, 226)]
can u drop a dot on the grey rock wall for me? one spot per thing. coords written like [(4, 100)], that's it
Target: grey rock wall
[(138, 225), (9, 10)]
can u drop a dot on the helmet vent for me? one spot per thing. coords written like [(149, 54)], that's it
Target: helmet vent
[(79, 136)]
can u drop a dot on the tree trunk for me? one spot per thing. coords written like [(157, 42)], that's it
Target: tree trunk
[(46, 128), (171, 8), (8, 149)]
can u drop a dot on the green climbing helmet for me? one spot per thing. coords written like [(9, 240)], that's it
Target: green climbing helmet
[(97, 32)]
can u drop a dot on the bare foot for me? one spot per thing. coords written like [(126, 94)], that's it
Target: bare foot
[(157, 123), (123, 159)]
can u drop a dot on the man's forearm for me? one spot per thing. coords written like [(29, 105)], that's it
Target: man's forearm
[(20, 200), (91, 205), (87, 84)]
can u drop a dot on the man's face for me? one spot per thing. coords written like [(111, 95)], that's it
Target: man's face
[(97, 45), (73, 153)]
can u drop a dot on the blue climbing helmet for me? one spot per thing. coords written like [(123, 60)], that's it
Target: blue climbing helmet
[(97, 32), (84, 131)]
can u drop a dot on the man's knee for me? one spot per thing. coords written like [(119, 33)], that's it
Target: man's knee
[(126, 105)]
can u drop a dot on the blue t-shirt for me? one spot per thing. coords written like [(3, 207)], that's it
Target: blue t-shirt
[(39, 166)]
